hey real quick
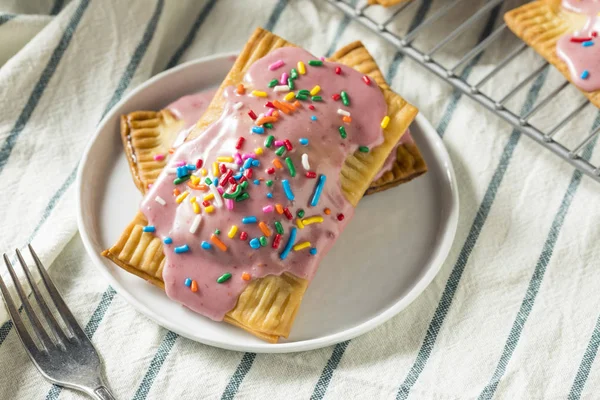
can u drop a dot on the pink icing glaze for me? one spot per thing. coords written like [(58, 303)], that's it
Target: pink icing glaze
[(391, 159), (326, 153), (580, 59), (190, 108)]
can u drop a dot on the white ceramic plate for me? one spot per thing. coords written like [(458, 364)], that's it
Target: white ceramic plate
[(389, 253)]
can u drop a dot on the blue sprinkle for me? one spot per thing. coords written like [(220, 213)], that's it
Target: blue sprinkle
[(313, 250), (314, 118), (287, 189), (188, 282), (258, 129), (249, 220), (237, 176), (149, 228), (255, 163), (269, 195), (167, 240), (256, 182), (191, 167), (205, 245), (182, 249), (587, 44), (318, 190), (248, 162), (255, 243), (303, 141), (181, 172), (216, 182), (585, 74), (289, 244)]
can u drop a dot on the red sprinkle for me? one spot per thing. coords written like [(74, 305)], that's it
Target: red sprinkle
[(594, 34), (248, 173), (243, 236), (311, 174), (229, 175), (338, 70), (366, 79), (311, 107), (270, 171), (232, 180), (199, 163), (288, 145), (240, 142), (222, 168), (269, 104), (205, 203), (336, 97), (340, 217), (288, 214), (243, 179), (276, 241), (580, 39), (252, 115)]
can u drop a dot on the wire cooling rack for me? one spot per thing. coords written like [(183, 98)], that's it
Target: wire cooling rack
[(384, 21)]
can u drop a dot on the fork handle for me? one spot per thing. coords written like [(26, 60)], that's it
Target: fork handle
[(102, 393)]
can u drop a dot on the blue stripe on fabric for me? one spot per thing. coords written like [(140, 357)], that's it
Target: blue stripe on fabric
[(40, 87), (238, 377), (538, 275), (340, 30), (323, 382), (58, 5), (4, 18), (276, 14), (476, 227), (5, 330), (155, 365), (189, 39), (586, 364)]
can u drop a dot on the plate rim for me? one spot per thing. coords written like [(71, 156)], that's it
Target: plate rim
[(435, 264)]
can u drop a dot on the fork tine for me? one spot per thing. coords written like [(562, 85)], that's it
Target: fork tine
[(70, 321), (36, 325), (52, 323), (16, 318)]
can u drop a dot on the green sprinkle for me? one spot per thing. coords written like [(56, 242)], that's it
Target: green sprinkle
[(290, 166), (268, 125), (244, 185), (224, 278), (208, 181), (217, 231), (279, 227), (269, 183), (300, 213), (304, 92), (343, 133), (363, 149), (273, 83), (291, 84), (315, 63), (263, 241), (316, 98), (269, 141), (345, 98), (242, 197), (302, 97), (280, 151), (294, 73), (177, 181)]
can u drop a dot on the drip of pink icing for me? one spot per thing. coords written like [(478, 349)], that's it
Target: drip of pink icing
[(189, 109), (583, 60), (326, 153), (391, 159)]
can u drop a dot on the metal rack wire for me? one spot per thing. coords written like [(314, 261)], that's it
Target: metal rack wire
[(451, 74)]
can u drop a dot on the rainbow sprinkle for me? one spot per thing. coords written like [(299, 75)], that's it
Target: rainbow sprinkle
[(287, 189), (289, 244), (318, 190)]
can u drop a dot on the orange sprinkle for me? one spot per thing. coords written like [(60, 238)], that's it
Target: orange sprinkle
[(347, 119), (245, 276), (279, 208), (194, 286), (201, 186), (296, 104), (240, 89), (217, 242), (176, 192), (264, 120), (327, 211), (171, 150), (279, 105), (277, 163), (275, 114), (264, 228)]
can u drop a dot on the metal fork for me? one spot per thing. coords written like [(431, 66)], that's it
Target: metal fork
[(67, 358)]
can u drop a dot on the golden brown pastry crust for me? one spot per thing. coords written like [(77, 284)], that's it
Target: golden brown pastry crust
[(540, 24), (268, 306)]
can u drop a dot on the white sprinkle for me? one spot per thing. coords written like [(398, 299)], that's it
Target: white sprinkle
[(218, 200), (160, 200), (171, 170), (343, 112), (238, 105), (195, 224), (232, 166), (281, 88), (305, 163)]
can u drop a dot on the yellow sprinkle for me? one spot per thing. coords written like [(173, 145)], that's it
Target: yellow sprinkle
[(258, 93), (196, 207), (299, 223), (301, 68), (301, 246), (232, 231), (195, 180), (258, 151), (193, 199), (385, 121), (216, 171), (203, 171), (290, 96), (224, 159), (208, 197), (181, 197), (210, 209), (317, 219), (315, 90)]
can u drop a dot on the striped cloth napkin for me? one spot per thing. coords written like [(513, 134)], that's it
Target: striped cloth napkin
[(512, 314)]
